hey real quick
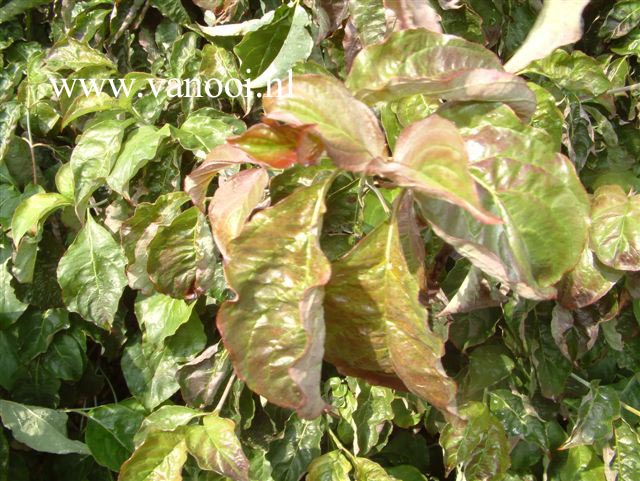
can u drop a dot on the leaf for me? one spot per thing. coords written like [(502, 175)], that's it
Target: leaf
[(207, 128), (70, 54), (430, 157), (9, 117), (38, 330), (598, 409), (278, 274), (367, 470), (13, 8), (559, 23), (167, 418), (615, 231), (88, 104), (39, 428), (216, 448), (368, 16), (160, 457), (410, 15), (93, 158), (535, 191), (11, 308), (223, 156), (280, 146), (291, 455), (174, 10), (161, 316), (350, 131), (332, 466), (32, 211), (479, 448), (622, 462), (372, 305), (149, 369), (272, 49), (140, 148), (436, 65), (181, 257), (581, 464), (518, 417), (587, 283), (475, 292), (374, 411), (91, 275), (233, 203), (621, 19), (139, 230), (201, 378), (110, 430)]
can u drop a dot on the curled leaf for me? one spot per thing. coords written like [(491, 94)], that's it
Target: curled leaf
[(274, 329)]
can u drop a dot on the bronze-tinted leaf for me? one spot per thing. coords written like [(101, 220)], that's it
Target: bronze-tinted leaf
[(349, 129), (372, 306), (223, 156), (437, 65), (587, 282), (280, 146), (615, 228), (430, 157), (233, 203), (181, 257), (274, 329)]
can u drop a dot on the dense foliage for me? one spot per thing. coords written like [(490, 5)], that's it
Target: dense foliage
[(418, 260)]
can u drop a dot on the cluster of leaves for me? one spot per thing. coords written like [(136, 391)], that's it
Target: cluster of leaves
[(419, 260)]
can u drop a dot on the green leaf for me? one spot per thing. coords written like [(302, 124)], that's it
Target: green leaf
[(559, 23), (161, 316), (181, 257), (93, 158), (350, 131), (274, 329), (372, 305), (615, 230), (291, 455), (207, 128), (518, 417), (160, 457), (165, 418), (623, 457), (271, 50), (38, 329), (11, 308), (174, 10), (150, 369), (575, 72), (39, 428), (201, 378), (110, 432), (436, 65), (138, 231), (32, 211), (70, 54), (621, 19), (581, 464), (479, 448), (140, 148), (9, 116), (216, 448), (88, 104), (367, 470), (598, 409), (332, 466), (91, 274), (233, 203), (374, 411), (13, 8), (430, 157), (369, 19)]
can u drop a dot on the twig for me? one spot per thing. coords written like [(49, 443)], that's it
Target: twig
[(225, 394)]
